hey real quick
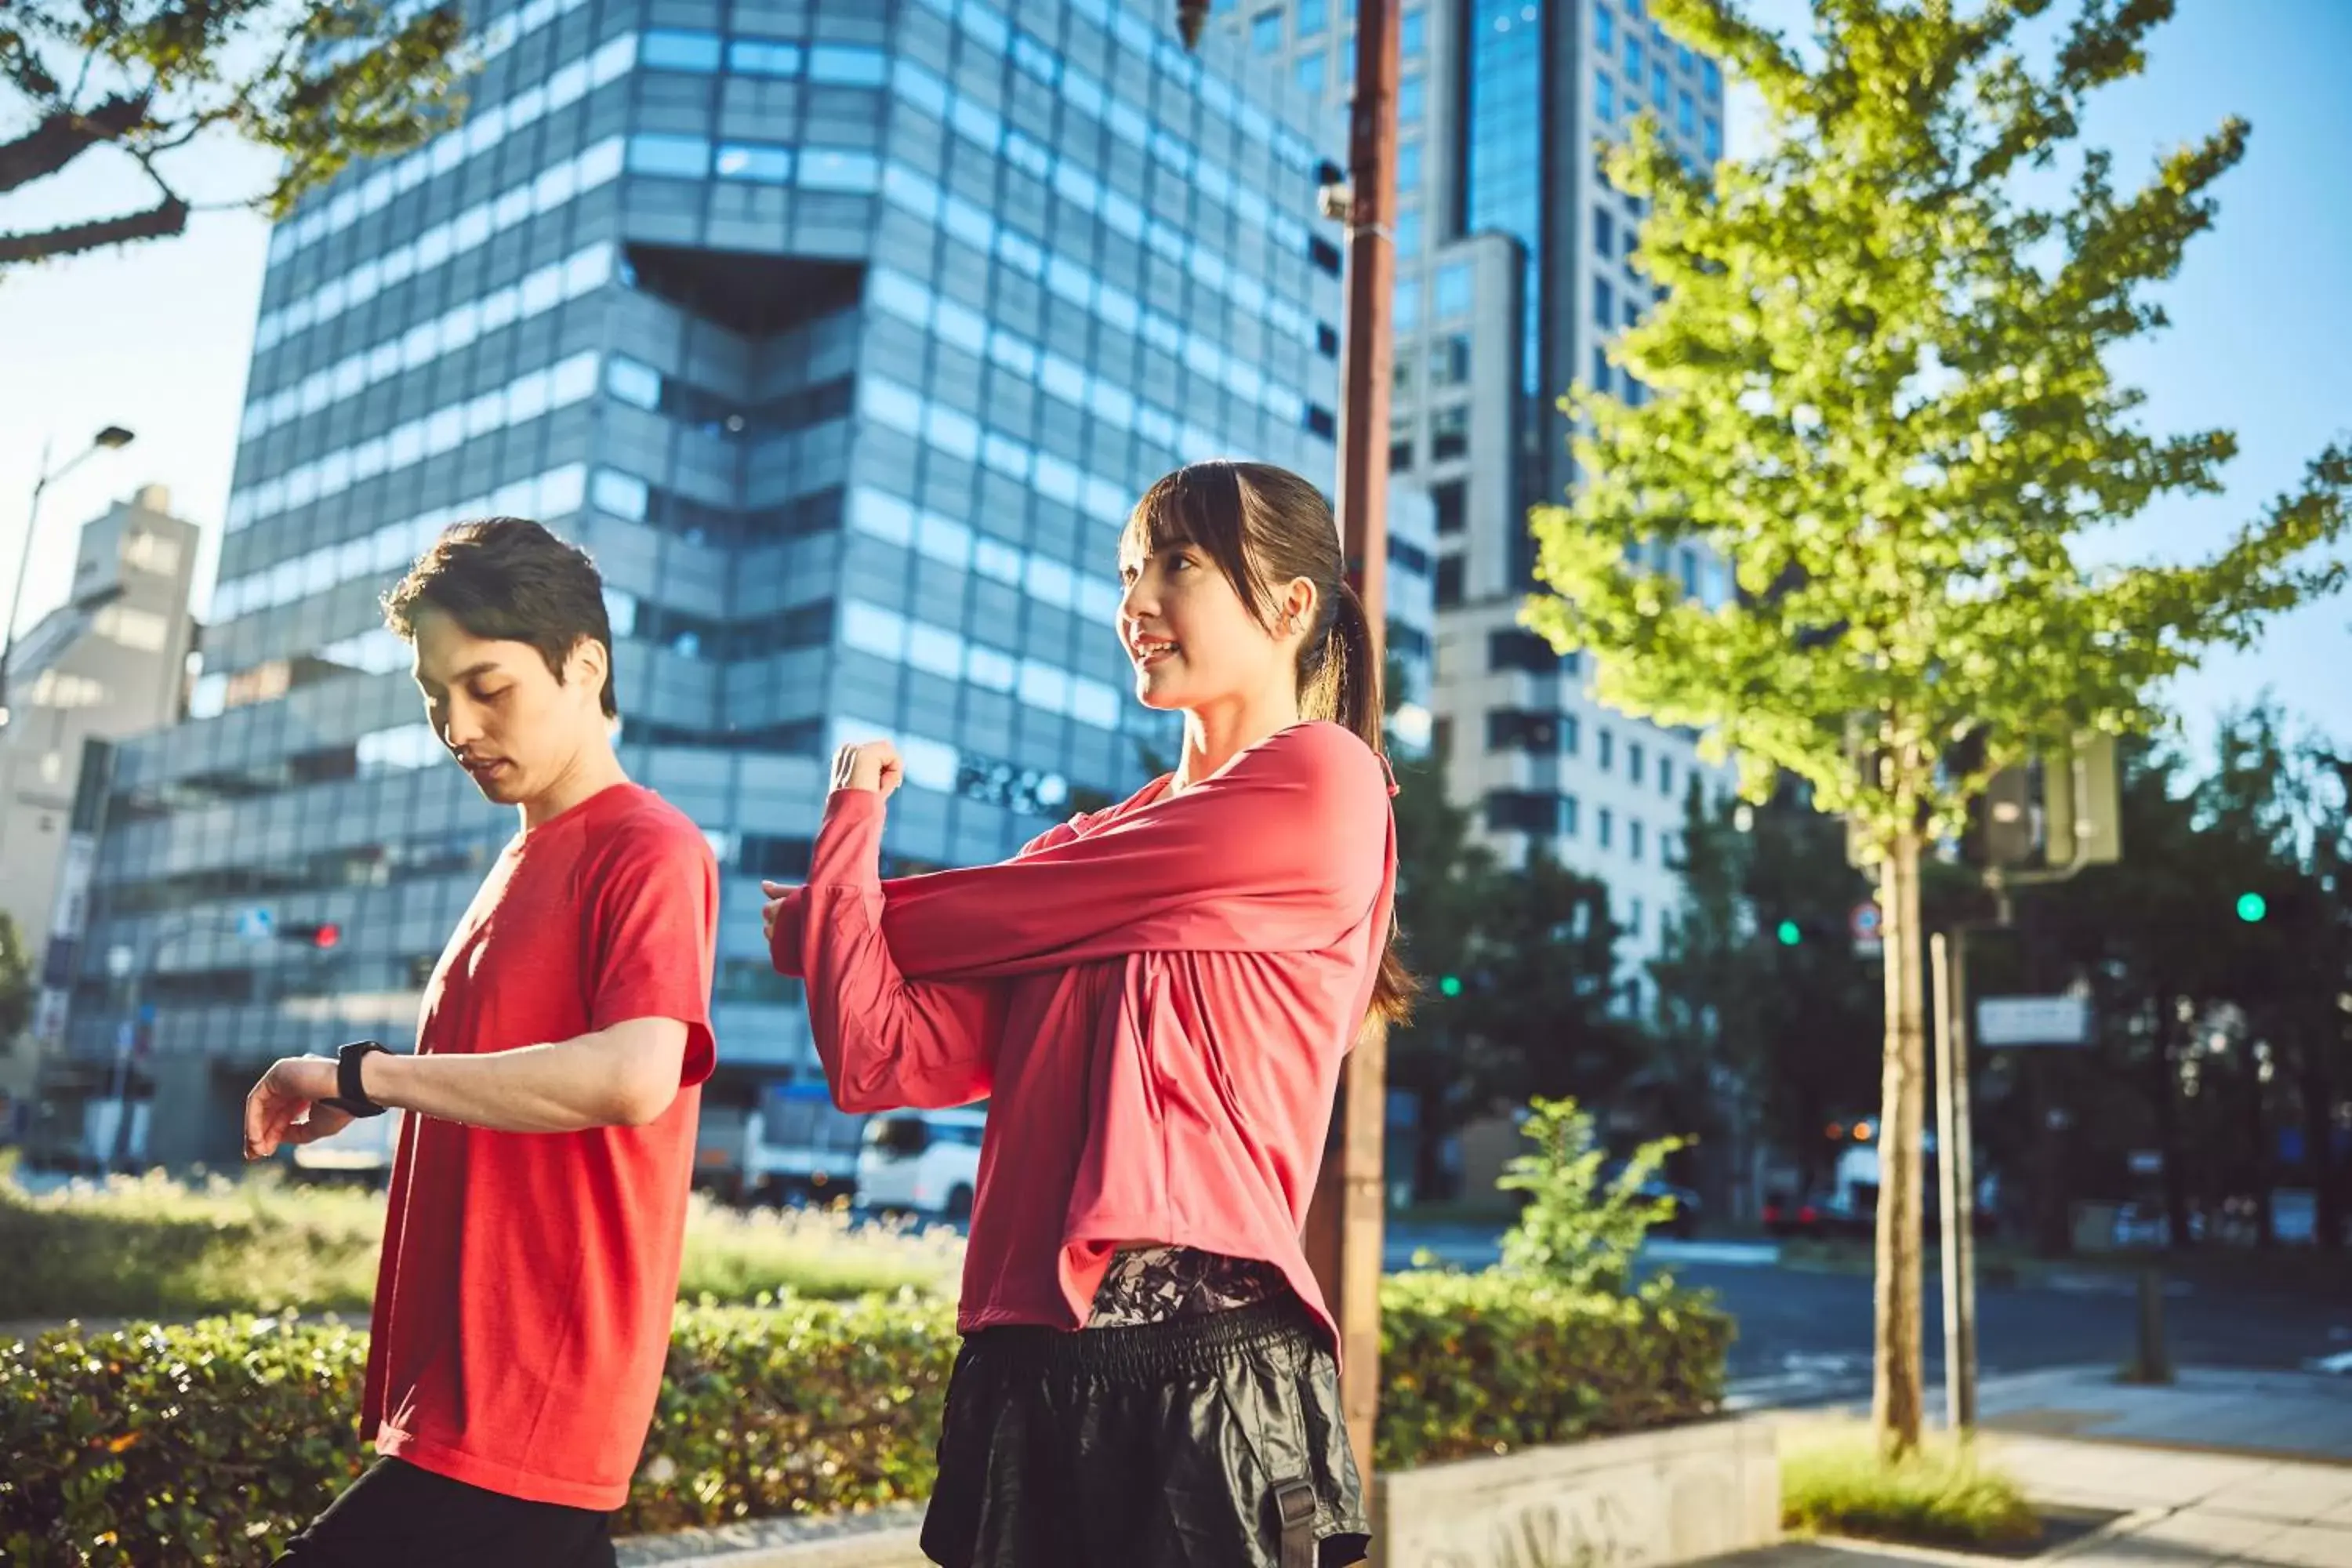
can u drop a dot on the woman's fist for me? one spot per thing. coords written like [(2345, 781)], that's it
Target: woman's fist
[(869, 764)]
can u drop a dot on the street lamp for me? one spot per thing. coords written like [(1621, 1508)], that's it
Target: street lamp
[(113, 439)]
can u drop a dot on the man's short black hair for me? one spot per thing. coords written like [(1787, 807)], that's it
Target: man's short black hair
[(508, 579)]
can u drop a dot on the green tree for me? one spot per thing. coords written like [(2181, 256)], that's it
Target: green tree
[(1541, 992), (1882, 398), (1578, 1225), (320, 82), (1444, 879), (16, 988)]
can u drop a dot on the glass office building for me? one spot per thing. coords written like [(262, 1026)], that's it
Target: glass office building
[(843, 334)]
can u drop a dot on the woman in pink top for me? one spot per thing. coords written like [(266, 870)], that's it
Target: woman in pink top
[(1155, 1000)]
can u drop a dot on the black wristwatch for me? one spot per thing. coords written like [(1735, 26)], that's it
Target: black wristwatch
[(351, 1098)]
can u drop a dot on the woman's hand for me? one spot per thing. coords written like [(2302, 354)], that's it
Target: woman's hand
[(870, 764), (777, 893)]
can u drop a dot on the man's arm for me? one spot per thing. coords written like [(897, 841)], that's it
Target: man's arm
[(623, 1076)]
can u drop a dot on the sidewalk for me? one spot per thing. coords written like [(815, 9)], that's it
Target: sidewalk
[(2244, 1469)]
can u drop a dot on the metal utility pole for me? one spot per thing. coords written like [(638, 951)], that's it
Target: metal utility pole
[(113, 439), (1955, 1166), (1344, 1226), (1344, 1230)]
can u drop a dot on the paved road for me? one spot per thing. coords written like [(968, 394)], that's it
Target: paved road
[(1806, 1337)]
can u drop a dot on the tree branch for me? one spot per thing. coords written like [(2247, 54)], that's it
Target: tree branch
[(166, 218), (63, 135)]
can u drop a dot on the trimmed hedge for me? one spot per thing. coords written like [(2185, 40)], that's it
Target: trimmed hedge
[(214, 1442)]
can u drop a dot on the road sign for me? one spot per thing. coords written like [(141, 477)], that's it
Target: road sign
[(1868, 923), (2004, 1020), (255, 925)]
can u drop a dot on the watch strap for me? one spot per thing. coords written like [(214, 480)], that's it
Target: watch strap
[(351, 1094)]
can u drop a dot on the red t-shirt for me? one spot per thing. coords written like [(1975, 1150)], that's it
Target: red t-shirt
[(522, 1306)]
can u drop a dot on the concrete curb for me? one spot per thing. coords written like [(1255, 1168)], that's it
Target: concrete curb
[(881, 1538)]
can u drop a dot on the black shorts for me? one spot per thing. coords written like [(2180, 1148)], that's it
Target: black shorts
[(399, 1514), (1202, 1441)]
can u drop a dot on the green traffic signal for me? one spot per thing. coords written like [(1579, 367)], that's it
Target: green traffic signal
[(2252, 908), (1789, 934), (1450, 985)]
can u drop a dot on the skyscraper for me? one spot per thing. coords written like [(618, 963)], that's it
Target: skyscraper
[(1513, 271), (844, 335)]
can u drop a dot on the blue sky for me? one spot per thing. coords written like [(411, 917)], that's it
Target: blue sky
[(157, 338)]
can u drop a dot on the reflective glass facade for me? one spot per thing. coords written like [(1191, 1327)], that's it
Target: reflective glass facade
[(844, 335)]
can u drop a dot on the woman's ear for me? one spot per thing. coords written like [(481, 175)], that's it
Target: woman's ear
[(1300, 605)]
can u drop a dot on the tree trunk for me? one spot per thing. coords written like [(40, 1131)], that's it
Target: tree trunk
[(2165, 1090), (1898, 1373)]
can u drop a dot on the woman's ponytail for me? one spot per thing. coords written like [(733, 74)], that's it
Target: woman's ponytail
[(1346, 689)]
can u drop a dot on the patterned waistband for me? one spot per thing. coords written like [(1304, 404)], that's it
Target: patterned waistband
[(1155, 1351)]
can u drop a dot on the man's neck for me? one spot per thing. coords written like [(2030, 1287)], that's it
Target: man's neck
[(595, 770)]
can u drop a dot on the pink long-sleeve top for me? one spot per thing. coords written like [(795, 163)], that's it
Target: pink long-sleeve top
[(1155, 1000)]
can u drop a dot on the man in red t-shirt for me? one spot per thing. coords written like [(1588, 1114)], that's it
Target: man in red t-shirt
[(538, 1202)]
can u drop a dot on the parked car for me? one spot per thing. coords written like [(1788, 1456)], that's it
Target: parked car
[(1816, 1217), (921, 1161)]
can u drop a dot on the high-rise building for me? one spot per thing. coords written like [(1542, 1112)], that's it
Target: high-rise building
[(111, 661), (1513, 271), (844, 335)]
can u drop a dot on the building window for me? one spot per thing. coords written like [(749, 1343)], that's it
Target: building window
[(1711, 138), (669, 49), (1633, 760), (1604, 28), (1658, 87), (1684, 59), (1601, 380), (1666, 779), (1408, 167), (1710, 76), (1453, 290), (1685, 114), (1451, 366), (1412, 96), (1413, 32), (1604, 827), (1568, 815), (1572, 735), (1453, 506), (1400, 446), (1520, 650), (1265, 32), (1449, 582), (1404, 304), (1309, 71), (1313, 16), (1632, 60), (1401, 370), (1522, 811), (1604, 304), (1321, 421), (1634, 842), (1449, 433), (1632, 310), (1604, 234), (1324, 255), (1407, 234), (1608, 757), (1517, 729), (1604, 95)]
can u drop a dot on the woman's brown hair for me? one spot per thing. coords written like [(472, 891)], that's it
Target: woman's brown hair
[(1266, 527)]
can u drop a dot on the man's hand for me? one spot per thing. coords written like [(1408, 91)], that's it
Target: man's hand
[(871, 765), (284, 1106), (777, 893)]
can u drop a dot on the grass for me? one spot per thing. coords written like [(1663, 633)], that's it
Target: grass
[(152, 1247), (1833, 1482)]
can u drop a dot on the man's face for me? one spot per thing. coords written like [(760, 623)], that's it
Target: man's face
[(514, 727)]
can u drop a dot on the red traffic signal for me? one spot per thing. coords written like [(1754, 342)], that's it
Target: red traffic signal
[(327, 936), (322, 936)]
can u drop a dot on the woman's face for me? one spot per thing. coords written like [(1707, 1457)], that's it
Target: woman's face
[(1191, 639)]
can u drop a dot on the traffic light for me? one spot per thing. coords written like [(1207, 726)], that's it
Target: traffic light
[(325, 935), (1790, 934), (2252, 908), (1449, 985)]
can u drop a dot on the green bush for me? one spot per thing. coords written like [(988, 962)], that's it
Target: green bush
[(1483, 1364), (1576, 1227), (212, 1441), (151, 1245), (1834, 1481)]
